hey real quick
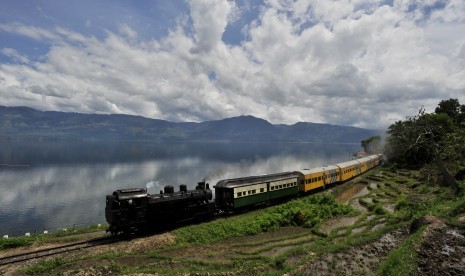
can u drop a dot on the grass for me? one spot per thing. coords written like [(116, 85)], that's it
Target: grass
[(44, 266), (62, 236), (17, 242)]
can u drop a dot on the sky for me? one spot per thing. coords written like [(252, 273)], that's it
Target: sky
[(346, 62)]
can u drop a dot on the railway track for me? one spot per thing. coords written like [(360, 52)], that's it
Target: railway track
[(56, 250)]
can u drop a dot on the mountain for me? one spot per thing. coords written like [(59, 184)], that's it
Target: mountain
[(28, 123)]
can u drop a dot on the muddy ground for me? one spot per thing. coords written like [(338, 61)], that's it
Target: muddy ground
[(442, 251)]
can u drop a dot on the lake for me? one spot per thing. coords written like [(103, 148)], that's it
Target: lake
[(55, 185)]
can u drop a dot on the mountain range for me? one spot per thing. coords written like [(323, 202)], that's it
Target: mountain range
[(28, 123)]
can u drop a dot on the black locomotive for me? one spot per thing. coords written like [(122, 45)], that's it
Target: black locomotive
[(131, 210)]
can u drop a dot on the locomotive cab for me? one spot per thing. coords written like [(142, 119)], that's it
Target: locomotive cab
[(126, 210)]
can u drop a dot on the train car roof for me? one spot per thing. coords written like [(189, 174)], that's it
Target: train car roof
[(373, 156), (251, 180), (363, 159), (347, 164), (317, 170)]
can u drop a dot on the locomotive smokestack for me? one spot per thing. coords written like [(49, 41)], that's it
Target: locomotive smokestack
[(169, 189)]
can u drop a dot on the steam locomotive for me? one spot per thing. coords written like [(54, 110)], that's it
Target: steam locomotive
[(130, 210)]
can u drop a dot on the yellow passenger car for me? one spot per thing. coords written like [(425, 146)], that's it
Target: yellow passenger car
[(365, 163), (317, 177), (374, 161), (349, 169)]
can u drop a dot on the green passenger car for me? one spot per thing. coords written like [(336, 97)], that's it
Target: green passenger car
[(231, 194)]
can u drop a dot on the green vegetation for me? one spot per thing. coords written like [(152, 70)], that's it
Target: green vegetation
[(305, 212), (433, 142), (44, 266), (62, 236), (16, 242)]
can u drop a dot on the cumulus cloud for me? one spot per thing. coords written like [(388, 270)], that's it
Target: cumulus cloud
[(351, 62)]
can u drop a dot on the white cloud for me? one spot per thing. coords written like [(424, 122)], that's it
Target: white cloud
[(13, 54), (350, 62)]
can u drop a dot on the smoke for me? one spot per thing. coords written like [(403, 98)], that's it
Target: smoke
[(151, 185), (216, 174)]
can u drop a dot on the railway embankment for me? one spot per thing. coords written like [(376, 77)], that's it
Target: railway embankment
[(384, 222)]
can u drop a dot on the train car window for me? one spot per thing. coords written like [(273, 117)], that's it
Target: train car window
[(272, 188), (262, 190), (319, 178), (239, 194), (254, 191)]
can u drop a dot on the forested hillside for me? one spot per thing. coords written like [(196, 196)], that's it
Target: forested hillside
[(24, 122)]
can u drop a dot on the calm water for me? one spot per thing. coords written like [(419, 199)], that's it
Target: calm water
[(51, 186)]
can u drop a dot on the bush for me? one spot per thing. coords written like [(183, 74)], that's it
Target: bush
[(16, 242), (304, 212)]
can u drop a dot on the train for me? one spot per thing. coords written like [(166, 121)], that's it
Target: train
[(131, 210)]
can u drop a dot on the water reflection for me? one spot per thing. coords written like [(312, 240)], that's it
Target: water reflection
[(65, 184)]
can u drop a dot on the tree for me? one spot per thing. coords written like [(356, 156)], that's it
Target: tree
[(420, 140), (415, 141), (452, 108), (372, 145), (453, 152)]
